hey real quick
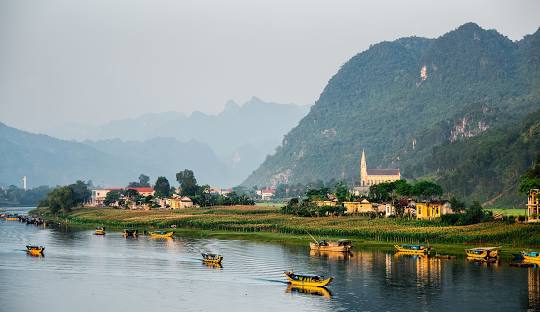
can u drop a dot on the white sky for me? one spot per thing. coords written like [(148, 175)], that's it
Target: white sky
[(93, 61)]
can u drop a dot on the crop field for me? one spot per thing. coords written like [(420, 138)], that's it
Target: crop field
[(268, 219)]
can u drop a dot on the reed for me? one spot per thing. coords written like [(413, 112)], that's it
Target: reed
[(268, 219)]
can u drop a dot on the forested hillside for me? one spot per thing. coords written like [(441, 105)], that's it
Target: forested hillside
[(397, 100)]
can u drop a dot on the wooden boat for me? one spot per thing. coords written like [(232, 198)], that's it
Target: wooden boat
[(483, 253), (317, 291), (100, 231), (212, 258), (12, 218), (342, 245), (131, 233), (412, 249), (35, 250), (161, 234), (307, 280), (531, 256)]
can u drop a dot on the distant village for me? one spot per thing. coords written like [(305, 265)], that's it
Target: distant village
[(380, 193)]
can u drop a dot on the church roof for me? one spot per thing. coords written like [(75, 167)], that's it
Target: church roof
[(373, 172)]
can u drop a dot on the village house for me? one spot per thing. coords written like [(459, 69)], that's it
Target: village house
[(533, 206), (179, 202), (266, 194), (430, 210), (98, 196), (363, 206), (321, 203)]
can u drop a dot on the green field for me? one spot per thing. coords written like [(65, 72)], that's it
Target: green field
[(259, 219), (509, 211)]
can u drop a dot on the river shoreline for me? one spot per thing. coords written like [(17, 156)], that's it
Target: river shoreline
[(266, 224)]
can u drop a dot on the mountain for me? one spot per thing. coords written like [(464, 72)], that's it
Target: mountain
[(468, 168), (398, 100), (241, 135), (49, 161)]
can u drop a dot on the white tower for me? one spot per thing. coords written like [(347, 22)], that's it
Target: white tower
[(363, 169), (24, 182)]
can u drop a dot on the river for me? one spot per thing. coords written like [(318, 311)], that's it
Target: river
[(84, 272)]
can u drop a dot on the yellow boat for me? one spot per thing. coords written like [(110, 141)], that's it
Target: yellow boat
[(342, 245), (161, 234), (483, 253), (412, 249), (212, 258), (531, 256), (100, 231), (35, 250), (12, 218), (307, 280), (318, 291)]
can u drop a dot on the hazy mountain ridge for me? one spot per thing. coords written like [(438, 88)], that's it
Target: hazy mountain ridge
[(49, 161), (241, 135), (410, 92)]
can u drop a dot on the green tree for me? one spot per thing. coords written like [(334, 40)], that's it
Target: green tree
[(342, 192), (188, 183), (81, 193), (162, 187), (531, 178), (112, 197), (144, 181), (61, 199), (456, 205), (426, 190)]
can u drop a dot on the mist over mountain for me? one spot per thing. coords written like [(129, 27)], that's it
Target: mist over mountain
[(400, 99), (222, 149), (49, 161)]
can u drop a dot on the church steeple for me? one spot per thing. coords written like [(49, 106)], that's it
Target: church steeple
[(363, 169)]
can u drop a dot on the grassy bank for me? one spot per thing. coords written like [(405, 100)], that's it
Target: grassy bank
[(245, 220)]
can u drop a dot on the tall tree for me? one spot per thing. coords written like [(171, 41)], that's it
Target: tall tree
[(531, 178), (188, 183), (162, 187), (144, 181)]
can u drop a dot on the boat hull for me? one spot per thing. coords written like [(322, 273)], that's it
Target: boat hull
[(314, 246), (482, 254), (100, 232), (529, 258), (306, 282), (401, 249), (33, 251), (12, 219), (165, 235)]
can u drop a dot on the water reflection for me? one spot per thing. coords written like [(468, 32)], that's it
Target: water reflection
[(307, 290), (84, 272), (533, 283), (331, 255)]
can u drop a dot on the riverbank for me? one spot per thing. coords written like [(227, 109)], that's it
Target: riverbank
[(268, 223)]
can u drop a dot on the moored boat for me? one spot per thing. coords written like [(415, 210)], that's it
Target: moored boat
[(531, 256), (412, 249), (100, 230), (35, 250), (483, 253), (342, 245), (212, 258), (307, 280), (131, 232), (12, 218), (161, 234)]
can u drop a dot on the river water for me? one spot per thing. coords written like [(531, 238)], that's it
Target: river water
[(84, 272)]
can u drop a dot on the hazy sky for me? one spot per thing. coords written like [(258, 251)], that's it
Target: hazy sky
[(97, 60)]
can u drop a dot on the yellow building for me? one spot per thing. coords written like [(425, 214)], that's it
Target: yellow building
[(432, 210), (533, 206), (363, 206), (177, 202), (370, 177)]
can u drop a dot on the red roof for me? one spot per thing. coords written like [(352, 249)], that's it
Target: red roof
[(141, 189)]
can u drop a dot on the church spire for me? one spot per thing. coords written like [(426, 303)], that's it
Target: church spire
[(363, 169)]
